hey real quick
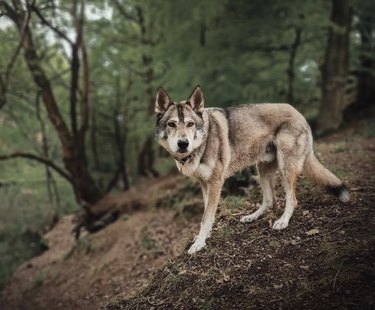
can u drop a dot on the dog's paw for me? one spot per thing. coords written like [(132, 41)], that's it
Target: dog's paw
[(198, 245), (280, 224), (249, 218)]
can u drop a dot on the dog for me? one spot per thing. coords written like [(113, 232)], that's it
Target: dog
[(212, 144)]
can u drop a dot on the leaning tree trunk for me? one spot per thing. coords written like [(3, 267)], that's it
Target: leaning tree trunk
[(335, 69)]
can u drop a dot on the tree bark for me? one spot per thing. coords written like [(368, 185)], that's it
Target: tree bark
[(335, 69)]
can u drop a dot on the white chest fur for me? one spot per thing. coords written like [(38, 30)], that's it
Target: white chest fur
[(195, 169)]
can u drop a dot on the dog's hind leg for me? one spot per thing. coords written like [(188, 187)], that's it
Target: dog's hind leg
[(266, 177), (289, 171), (292, 145), (289, 182)]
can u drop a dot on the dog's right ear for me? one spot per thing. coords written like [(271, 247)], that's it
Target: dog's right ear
[(162, 101)]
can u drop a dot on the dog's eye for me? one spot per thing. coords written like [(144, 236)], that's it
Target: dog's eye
[(190, 124), (172, 124)]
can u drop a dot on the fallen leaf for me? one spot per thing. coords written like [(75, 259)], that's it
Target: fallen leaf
[(313, 231)]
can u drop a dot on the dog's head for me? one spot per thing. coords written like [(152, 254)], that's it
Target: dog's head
[(180, 126)]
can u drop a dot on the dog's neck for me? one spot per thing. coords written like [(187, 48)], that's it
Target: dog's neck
[(184, 160)]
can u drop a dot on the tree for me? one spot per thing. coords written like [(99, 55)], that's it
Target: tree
[(335, 68), (366, 70), (72, 138)]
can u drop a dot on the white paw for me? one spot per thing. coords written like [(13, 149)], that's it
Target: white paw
[(249, 218), (280, 224), (197, 246)]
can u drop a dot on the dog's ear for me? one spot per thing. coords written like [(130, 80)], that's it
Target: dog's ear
[(162, 101), (196, 100)]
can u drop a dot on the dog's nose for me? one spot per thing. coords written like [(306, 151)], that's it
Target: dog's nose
[(183, 144)]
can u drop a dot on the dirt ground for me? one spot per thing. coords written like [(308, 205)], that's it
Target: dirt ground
[(117, 261), (325, 259)]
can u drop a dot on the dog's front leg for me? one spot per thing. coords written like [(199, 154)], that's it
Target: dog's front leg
[(212, 199)]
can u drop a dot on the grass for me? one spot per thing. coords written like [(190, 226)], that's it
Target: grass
[(147, 242)]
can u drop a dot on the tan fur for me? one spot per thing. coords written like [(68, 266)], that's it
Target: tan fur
[(320, 175), (270, 136)]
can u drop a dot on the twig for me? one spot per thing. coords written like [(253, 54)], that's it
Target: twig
[(37, 158), (334, 280), (49, 25)]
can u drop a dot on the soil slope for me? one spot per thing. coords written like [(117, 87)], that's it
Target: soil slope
[(324, 259)]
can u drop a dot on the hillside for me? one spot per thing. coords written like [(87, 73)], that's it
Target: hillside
[(325, 259)]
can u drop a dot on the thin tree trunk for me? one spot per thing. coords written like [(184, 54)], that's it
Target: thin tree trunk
[(293, 52), (335, 69), (366, 74), (93, 140), (53, 193), (147, 157)]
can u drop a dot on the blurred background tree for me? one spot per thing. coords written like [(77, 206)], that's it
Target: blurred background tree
[(78, 79)]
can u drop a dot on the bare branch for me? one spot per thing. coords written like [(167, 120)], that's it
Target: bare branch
[(9, 11), (41, 79), (113, 181), (4, 80), (85, 77), (49, 25), (39, 159), (124, 13)]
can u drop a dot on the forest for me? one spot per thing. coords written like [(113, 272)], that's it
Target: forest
[(78, 81)]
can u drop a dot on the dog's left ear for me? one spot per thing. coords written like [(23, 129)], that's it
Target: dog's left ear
[(196, 100)]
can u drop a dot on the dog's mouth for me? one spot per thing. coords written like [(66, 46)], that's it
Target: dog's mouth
[(182, 151)]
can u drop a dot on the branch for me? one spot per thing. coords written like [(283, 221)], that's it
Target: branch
[(111, 184), (4, 81), (39, 159), (41, 80), (49, 25), (124, 13), (19, 46), (74, 81), (85, 78), (9, 11)]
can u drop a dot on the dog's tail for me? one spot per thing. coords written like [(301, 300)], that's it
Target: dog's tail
[(314, 170)]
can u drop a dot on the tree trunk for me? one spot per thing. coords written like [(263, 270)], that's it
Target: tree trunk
[(292, 58), (72, 143), (147, 156), (366, 74), (335, 69)]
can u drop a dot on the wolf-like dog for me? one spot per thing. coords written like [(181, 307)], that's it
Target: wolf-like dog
[(211, 144)]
